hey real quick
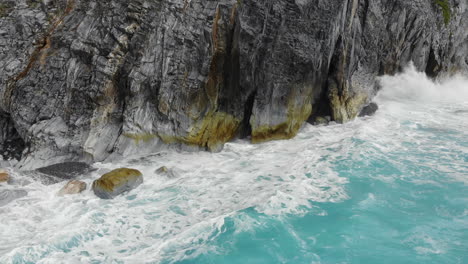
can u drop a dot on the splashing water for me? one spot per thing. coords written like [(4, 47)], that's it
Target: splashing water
[(391, 188)]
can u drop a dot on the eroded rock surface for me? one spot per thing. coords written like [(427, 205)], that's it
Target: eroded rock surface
[(96, 80)]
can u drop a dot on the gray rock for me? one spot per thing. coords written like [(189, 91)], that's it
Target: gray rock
[(95, 80), (59, 172), (67, 170), (36, 176), (369, 110)]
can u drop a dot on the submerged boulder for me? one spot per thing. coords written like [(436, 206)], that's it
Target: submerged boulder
[(116, 182), (4, 176), (72, 187), (7, 196), (369, 110), (169, 173)]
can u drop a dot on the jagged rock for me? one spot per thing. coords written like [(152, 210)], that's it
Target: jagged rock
[(4, 176), (369, 110), (116, 182), (72, 187), (170, 173), (7, 195), (199, 73), (67, 170)]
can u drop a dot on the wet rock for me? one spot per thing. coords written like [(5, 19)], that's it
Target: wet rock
[(39, 177), (67, 170), (6, 196), (116, 182), (169, 173), (369, 110), (72, 187), (4, 176), (198, 73)]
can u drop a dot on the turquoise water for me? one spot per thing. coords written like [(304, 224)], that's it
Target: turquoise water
[(399, 211), (392, 188)]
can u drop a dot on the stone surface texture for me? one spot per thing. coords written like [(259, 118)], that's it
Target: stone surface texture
[(87, 80)]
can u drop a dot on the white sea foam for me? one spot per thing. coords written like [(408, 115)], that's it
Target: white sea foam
[(413, 86), (168, 217)]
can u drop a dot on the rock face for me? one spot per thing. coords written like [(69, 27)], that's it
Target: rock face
[(94, 80), (116, 182), (72, 187)]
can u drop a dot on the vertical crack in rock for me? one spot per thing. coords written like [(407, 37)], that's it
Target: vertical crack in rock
[(216, 126), (107, 120), (433, 66), (286, 73), (345, 100), (246, 127), (11, 143)]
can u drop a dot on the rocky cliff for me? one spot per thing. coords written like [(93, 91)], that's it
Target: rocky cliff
[(95, 80)]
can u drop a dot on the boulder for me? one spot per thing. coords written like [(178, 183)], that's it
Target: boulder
[(369, 110), (59, 172), (72, 187), (166, 172), (116, 182), (4, 176)]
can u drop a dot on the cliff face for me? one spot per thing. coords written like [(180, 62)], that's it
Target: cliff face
[(94, 80)]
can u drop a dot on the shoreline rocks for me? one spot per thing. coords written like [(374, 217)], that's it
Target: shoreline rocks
[(67, 170), (117, 182), (72, 187), (4, 176), (369, 110), (169, 173), (221, 69)]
